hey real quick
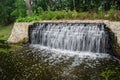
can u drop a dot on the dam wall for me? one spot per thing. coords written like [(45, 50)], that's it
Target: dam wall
[(20, 30)]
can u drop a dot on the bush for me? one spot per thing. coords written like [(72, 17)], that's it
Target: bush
[(56, 15), (112, 14), (28, 19), (107, 74)]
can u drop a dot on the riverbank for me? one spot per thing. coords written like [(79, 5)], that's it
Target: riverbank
[(5, 31), (6, 48)]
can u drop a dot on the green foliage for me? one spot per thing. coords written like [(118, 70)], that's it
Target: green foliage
[(28, 19), (83, 15), (107, 74), (6, 8), (57, 15), (20, 9), (50, 15), (78, 5), (110, 73), (100, 15), (57, 9), (5, 31), (4, 47), (3, 37), (112, 14), (25, 40)]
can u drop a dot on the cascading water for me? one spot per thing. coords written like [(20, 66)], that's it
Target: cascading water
[(85, 37)]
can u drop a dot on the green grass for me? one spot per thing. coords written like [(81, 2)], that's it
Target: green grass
[(5, 31), (6, 48)]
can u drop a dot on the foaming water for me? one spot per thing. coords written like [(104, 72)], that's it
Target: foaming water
[(71, 36), (75, 58), (80, 54), (84, 41)]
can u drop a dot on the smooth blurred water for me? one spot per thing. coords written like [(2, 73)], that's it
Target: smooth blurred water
[(71, 36)]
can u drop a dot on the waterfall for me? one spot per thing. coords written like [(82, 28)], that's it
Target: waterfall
[(88, 37)]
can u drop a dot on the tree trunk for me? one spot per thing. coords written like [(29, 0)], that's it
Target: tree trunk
[(74, 4), (29, 7)]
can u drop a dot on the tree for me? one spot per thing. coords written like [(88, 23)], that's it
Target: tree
[(20, 9), (29, 7), (6, 8)]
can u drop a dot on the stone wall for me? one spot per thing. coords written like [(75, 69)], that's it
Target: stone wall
[(20, 30), (115, 28)]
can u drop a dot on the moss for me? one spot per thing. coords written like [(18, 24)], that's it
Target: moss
[(25, 40), (117, 48), (6, 48), (107, 74)]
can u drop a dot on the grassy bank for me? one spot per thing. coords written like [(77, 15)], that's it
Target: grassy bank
[(5, 31), (4, 34)]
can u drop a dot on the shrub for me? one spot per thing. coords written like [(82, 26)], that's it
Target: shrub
[(100, 14), (56, 15), (112, 14), (107, 74), (28, 19)]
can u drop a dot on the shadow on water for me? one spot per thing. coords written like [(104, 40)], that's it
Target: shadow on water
[(32, 64)]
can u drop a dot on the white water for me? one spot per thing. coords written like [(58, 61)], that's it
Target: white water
[(55, 56), (71, 37), (82, 40), (80, 54)]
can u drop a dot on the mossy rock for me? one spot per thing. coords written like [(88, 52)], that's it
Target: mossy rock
[(24, 41), (116, 47)]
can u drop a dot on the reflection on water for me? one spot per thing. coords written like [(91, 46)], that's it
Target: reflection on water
[(44, 64)]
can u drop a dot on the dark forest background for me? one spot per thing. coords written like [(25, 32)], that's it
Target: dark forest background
[(11, 10)]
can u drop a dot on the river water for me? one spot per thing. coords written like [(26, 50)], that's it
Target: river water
[(62, 52)]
